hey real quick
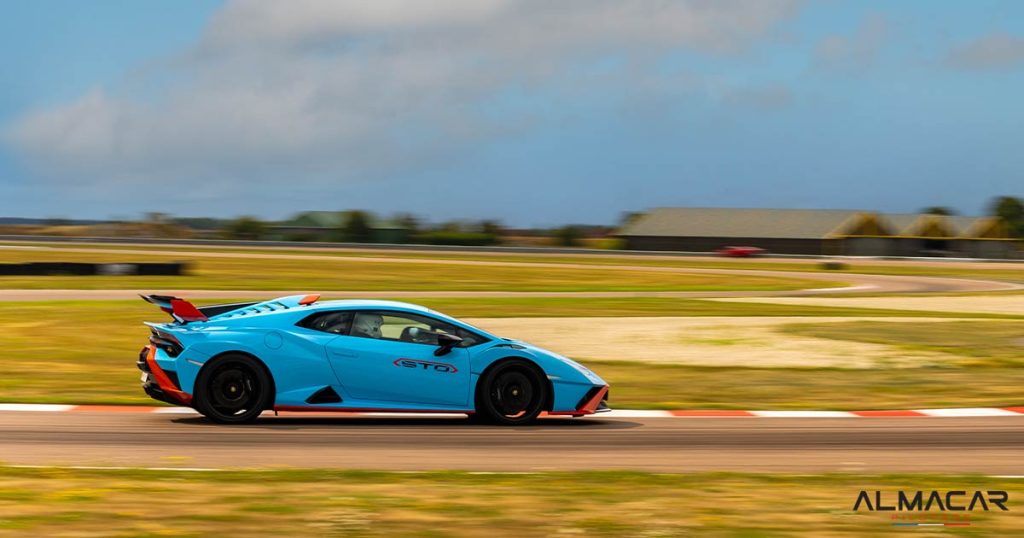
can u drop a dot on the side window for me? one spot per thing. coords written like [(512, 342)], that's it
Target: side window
[(337, 322), (371, 325), (469, 339), (405, 327)]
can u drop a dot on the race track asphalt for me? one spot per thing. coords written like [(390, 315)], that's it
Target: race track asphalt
[(992, 445)]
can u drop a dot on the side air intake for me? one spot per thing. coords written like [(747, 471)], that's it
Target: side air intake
[(324, 396)]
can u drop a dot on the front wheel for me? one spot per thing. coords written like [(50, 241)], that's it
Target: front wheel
[(234, 389), (511, 393)]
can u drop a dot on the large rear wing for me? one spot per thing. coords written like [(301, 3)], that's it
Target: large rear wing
[(185, 312)]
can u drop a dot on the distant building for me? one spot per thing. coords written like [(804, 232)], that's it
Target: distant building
[(825, 232)]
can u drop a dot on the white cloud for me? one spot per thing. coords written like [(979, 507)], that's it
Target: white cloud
[(855, 51), (994, 51), (258, 22), (340, 89), (501, 26), (770, 97)]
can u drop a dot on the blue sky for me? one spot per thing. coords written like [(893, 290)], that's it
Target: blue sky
[(529, 111)]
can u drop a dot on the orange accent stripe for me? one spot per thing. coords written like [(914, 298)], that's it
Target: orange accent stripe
[(309, 299), (588, 408), (163, 381), (311, 409)]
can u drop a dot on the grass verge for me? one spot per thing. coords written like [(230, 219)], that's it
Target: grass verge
[(240, 271), (1008, 271), (979, 343), (654, 386), (505, 307), (57, 501)]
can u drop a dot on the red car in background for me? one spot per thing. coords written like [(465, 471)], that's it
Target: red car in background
[(740, 252)]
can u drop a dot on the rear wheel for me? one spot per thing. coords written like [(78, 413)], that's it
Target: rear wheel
[(511, 393), (234, 389)]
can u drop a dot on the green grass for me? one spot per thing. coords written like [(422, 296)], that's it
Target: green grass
[(655, 386), (45, 502), (996, 270), (236, 271), (84, 352), (979, 343), (504, 307)]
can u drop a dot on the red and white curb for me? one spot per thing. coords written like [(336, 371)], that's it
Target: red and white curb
[(617, 413)]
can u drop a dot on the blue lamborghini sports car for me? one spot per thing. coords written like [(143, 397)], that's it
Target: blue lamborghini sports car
[(233, 361)]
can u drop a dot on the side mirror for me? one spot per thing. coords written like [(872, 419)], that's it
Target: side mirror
[(445, 343)]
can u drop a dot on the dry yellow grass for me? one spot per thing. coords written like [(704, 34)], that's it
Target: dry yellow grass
[(235, 270), (54, 502), (755, 342), (1006, 305), (1007, 271)]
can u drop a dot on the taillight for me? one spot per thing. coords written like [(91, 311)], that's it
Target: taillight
[(166, 342)]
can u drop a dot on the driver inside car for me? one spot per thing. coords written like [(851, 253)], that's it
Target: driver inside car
[(367, 325)]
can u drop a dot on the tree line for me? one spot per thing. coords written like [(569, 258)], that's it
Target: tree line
[(1009, 208), (358, 226)]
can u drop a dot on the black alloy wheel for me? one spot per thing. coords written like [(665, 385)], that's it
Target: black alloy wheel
[(234, 389), (512, 393)]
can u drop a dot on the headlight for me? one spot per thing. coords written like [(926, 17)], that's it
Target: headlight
[(591, 376)]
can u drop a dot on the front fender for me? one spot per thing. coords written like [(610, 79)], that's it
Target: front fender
[(569, 384)]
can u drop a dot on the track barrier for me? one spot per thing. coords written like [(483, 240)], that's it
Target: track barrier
[(92, 269)]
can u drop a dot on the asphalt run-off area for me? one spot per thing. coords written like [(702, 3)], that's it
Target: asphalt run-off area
[(963, 441)]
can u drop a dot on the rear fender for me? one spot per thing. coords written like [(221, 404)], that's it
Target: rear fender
[(297, 363), (201, 350)]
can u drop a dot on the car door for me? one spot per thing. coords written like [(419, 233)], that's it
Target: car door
[(388, 356)]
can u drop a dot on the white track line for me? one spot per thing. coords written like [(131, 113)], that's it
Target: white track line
[(636, 413), (176, 411), (616, 413), (804, 414), (52, 408), (968, 412)]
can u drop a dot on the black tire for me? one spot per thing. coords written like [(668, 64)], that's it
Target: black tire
[(232, 389), (512, 393)]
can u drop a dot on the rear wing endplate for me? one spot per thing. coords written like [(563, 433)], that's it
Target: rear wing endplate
[(181, 310)]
